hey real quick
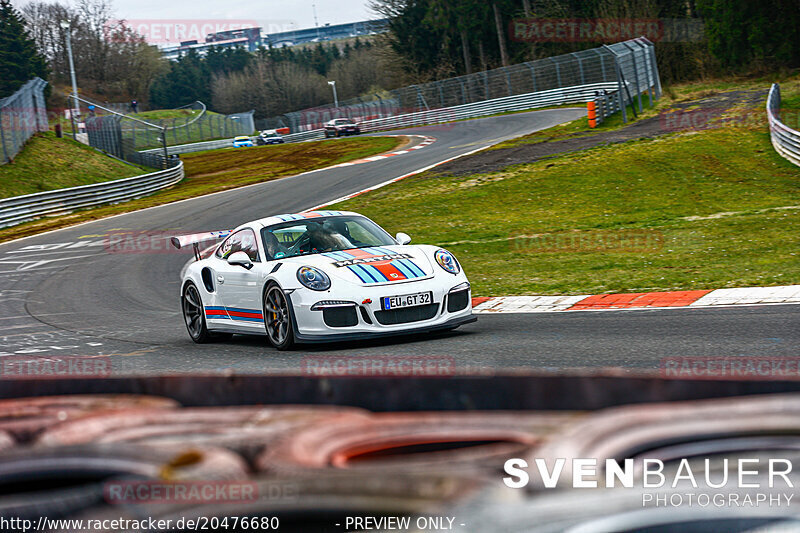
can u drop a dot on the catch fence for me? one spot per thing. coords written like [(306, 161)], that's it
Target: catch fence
[(629, 65), (21, 115)]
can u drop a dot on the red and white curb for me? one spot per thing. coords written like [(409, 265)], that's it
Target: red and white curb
[(425, 142), (787, 294)]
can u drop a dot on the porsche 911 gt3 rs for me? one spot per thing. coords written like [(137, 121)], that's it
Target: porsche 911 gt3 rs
[(319, 276)]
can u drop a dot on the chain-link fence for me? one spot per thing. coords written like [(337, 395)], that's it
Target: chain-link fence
[(630, 64), (126, 136), (21, 115)]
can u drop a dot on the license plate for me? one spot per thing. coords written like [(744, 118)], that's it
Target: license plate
[(406, 300)]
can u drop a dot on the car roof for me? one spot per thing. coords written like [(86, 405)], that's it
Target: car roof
[(241, 138), (286, 217)]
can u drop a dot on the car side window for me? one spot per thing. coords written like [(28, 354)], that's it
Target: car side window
[(242, 241)]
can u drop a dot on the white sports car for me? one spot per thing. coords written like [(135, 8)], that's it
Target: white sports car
[(319, 276)]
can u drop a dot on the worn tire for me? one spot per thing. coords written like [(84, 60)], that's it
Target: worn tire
[(25, 418), (477, 441)]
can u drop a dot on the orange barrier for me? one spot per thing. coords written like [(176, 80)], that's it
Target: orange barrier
[(591, 107)]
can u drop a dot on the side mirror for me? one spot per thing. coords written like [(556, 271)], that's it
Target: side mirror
[(402, 238), (241, 259)]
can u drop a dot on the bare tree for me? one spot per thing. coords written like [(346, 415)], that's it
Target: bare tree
[(111, 60)]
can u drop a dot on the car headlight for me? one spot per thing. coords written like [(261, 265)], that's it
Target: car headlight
[(447, 261), (313, 278)]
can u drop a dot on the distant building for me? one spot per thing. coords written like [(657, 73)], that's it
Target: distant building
[(252, 38), (247, 38), (325, 33)]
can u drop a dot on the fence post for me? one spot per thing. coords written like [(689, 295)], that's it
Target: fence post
[(558, 72), (164, 145), (6, 157), (622, 104), (648, 71), (533, 75), (602, 63), (580, 67), (656, 78), (635, 75)]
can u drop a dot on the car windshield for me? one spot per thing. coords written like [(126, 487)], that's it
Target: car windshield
[(343, 121), (322, 234)]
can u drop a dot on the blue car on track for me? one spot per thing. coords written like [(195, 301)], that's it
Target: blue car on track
[(242, 140)]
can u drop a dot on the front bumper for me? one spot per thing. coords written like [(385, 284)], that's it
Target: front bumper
[(331, 337), (310, 325)]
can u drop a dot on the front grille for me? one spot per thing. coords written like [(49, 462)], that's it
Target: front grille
[(340, 317), (456, 301), (407, 314)]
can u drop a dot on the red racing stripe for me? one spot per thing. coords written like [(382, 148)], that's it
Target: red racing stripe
[(245, 315), (389, 270)]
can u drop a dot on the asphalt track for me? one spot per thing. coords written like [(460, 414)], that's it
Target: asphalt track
[(62, 293)]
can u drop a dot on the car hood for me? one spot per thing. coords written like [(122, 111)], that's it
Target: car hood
[(372, 266)]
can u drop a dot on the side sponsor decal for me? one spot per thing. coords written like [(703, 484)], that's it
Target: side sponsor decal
[(234, 313)]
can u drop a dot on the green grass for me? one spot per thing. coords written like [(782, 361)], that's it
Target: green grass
[(47, 162), (580, 127), (165, 114), (218, 170), (650, 186)]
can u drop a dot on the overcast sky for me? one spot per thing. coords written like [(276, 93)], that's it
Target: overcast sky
[(272, 15)]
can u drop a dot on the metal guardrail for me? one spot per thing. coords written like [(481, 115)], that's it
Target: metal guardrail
[(785, 140), (520, 102), (49, 203), (606, 104)]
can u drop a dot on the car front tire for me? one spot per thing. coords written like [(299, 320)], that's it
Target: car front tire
[(278, 318)]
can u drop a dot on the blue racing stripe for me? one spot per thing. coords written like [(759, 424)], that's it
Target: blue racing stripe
[(407, 272), (363, 276), (375, 273), (383, 250), (413, 266), (237, 309)]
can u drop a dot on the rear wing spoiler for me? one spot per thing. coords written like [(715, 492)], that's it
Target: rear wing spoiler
[(197, 239)]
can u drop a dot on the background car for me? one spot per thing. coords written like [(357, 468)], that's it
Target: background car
[(341, 126), (320, 276), (269, 137), (241, 141)]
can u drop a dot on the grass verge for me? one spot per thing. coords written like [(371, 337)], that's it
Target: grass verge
[(47, 163), (718, 208), (218, 170)]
